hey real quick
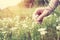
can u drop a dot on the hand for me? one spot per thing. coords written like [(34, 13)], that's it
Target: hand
[(38, 12)]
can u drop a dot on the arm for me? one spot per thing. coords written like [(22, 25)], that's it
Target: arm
[(50, 8)]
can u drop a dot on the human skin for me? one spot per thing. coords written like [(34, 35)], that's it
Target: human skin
[(46, 11)]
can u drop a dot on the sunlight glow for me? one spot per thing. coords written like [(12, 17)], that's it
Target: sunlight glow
[(7, 3)]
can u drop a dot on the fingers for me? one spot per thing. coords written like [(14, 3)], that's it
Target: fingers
[(40, 20), (36, 15)]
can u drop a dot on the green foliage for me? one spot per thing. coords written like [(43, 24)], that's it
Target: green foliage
[(17, 28)]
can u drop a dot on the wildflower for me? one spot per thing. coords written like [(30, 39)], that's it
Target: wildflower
[(55, 14), (24, 25), (58, 27), (42, 31)]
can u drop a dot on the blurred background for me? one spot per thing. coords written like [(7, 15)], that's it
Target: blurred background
[(16, 22)]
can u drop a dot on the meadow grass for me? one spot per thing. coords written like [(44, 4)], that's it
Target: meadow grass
[(21, 26)]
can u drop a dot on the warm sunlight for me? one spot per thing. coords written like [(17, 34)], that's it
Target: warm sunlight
[(6, 3), (29, 20)]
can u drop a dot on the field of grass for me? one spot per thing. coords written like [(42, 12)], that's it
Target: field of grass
[(21, 26)]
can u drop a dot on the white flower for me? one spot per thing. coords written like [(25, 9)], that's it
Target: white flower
[(24, 25), (58, 27), (42, 31), (55, 14)]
